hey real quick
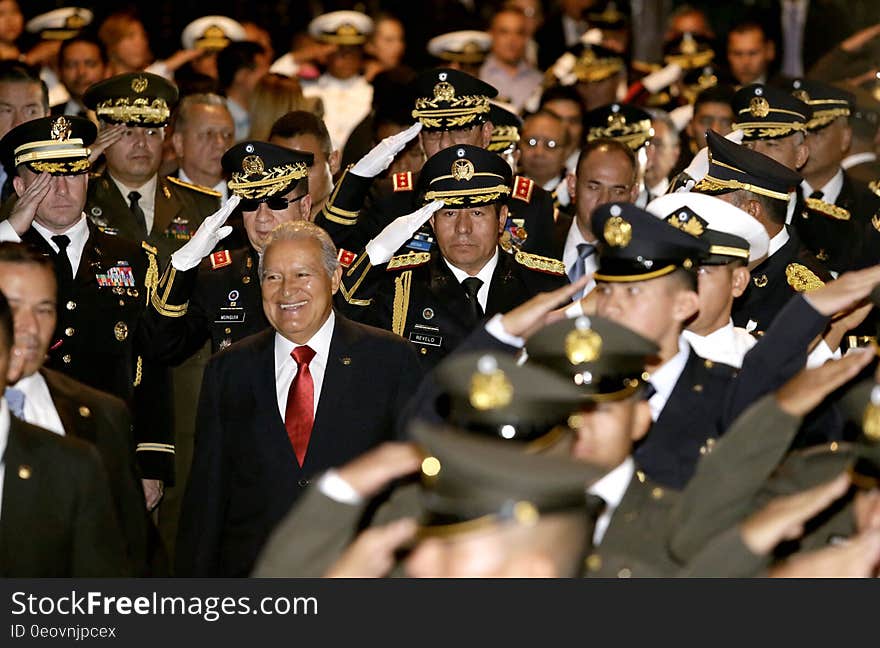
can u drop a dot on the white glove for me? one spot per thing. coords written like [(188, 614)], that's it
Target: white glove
[(682, 116), (382, 155), (660, 79), (699, 166), (592, 36), (397, 232), (563, 67), (206, 237)]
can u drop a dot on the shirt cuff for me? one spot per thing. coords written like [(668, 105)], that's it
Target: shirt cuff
[(821, 354), (496, 329), (336, 488), (8, 233)]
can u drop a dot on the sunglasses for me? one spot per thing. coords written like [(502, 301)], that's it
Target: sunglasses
[(275, 203)]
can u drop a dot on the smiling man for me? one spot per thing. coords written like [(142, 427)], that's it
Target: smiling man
[(276, 408)]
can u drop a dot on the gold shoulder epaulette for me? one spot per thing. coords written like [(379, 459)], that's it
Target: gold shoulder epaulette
[(540, 263), (149, 248), (410, 260), (194, 187), (828, 209), (801, 278), (875, 186)]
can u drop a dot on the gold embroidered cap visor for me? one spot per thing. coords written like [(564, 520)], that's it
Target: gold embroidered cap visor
[(55, 145), (505, 128), (828, 102), (342, 28), (465, 176), (767, 112), (133, 99), (471, 483), (260, 170), (594, 63), (622, 122), (448, 99)]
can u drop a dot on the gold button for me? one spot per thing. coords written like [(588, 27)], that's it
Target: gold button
[(423, 351), (594, 562), (227, 330), (69, 331), (122, 302), (120, 331), (657, 493), (245, 280), (66, 358), (84, 411), (624, 573), (709, 364), (71, 305), (698, 388), (24, 472)]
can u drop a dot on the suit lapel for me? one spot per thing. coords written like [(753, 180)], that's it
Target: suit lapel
[(263, 381), (625, 514), (447, 291), (67, 407), (682, 404), (119, 216), (166, 209), (20, 488), (506, 290)]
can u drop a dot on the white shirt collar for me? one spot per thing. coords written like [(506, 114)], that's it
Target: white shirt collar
[(484, 275), (78, 233), (665, 378), (319, 342), (777, 242), (611, 488), (727, 345), (219, 187), (857, 158), (830, 191), (147, 201)]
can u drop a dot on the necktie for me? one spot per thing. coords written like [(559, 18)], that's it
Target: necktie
[(299, 416), (818, 195), (133, 198), (15, 399), (579, 268), (650, 390), (472, 286), (63, 267)]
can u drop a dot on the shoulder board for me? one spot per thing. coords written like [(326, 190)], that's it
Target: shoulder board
[(522, 188), (875, 186), (801, 278), (828, 209), (221, 259), (194, 187), (540, 263), (402, 181), (149, 248), (409, 260)]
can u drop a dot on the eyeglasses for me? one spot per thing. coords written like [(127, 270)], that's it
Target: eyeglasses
[(532, 142), (275, 203)]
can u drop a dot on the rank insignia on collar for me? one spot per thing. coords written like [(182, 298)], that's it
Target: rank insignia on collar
[(220, 259), (346, 258), (402, 181), (801, 278), (522, 188)]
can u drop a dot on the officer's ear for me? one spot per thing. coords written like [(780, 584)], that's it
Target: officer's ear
[(177, 144), (740, 280), (333, 162), (502, 217), (571, 181), (305, 207), (335, 280), (18, 185), (802, 154), (685, 304), (845, 137), (486, 134)]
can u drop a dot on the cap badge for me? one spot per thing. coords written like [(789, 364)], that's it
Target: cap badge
[(139, 84), (759, 107), (75, 22), (347, 29), (60, 129), (583, 346), (213, 32), (444, 91), (618, 232), (616, 121), (683, 221), (802, 95), (490, 387), (688, 45), (253, 165), (462, 170)]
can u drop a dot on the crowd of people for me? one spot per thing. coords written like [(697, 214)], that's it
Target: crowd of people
[(580, 289)]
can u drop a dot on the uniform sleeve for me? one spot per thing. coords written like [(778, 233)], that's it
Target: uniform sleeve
[(341, 213)]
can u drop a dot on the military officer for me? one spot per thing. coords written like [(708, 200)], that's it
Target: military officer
[(434, 299), (760, 186), (834, 210), (104, 281), (451, 108), (463, 50), (130, 197)]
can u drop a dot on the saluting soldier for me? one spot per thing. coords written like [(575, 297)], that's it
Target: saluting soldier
[(130, 197), (451, 108), (104, 280), (434, 299), (760, 186)]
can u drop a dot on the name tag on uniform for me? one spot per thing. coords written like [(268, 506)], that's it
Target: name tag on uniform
[(429, 335), (230, 316)]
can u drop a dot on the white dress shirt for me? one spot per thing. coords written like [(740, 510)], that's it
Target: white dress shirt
[(665, 378), (611, 488), (727, 345), (777, 242), (570, 256), (241, 118), (4, 439), (39, 408), (147, 201), (346, 103), (830, 191), (286, 368), (660, 188), (78, 235), (857, 158), (219, 187), (484, 275)]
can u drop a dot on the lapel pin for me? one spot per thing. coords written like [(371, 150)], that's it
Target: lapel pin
[(346, 360), (24, 472), (84, 411)]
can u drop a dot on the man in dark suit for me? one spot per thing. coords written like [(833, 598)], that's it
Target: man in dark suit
[(56, 513), (130, 197), (434, 299), (283, 405)]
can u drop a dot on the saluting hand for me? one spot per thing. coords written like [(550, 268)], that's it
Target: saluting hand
[(382, 155), (107, 137), (210, 232), (29, 201)]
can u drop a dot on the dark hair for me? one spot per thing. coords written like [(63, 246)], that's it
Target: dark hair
[(22, 253), (6, 324), (747, 25), (562, 93), (300, 122), (721, 93), (687, 279), (238, 55), (394, 96), (610, 145), (776, 210), (86, 38), (16, 72), (864, 124)]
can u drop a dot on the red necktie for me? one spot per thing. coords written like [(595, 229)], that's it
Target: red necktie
[(299, 416)]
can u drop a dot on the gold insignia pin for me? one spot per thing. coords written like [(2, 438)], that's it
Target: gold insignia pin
[(347, 29), (120, 331), (61, 130), (346, 360), (760, 281), (490, 390), (688, 45), (84, 411), (759, 107), (213, 32), (583, 346), (139, 84), (24, 472), (444, 91), (616, 121), (462, 170), (253, 165), (617, 232)]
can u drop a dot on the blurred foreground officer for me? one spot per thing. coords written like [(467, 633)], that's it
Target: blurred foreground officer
[(277, 407), (56, 513), (434, 299), (62, 405), (130, 197), (463, 50), (104, 281)]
